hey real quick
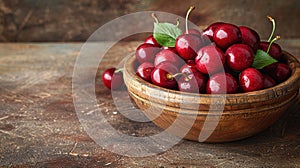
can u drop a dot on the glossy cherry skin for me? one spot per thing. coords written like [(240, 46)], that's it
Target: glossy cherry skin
[(275, 50), (210, 59), (239, 57), (146, 52), (226, 35), (188, 68), (282, 72), (250, 37), (221, 83), (209, 31), (251, 80), (268, 81), (111, 79), (151, 40), (168, 55), (162, 75), (193, 83), (145, 70), (187, 45)]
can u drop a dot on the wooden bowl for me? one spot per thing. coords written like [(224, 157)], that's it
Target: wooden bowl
[(221, 117)]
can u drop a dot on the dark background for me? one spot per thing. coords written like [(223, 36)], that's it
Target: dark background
[(76, 20)]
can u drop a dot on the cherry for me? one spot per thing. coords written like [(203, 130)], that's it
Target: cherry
[(227, 34), (188, 68), (210, 59), (250, 37), (144, 71), (275, 49), (209, 31), (146, 52), (151, 40), (281, 73), (268, 81), (221, 83), (187, 45), (163, 75), (112, 78), (168, 55), (194, 83), (239, 57), (251, 80)]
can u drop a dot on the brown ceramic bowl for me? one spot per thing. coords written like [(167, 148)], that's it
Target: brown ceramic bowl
[(241, 115)]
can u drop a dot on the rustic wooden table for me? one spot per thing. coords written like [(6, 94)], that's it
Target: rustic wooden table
[(39, 126)]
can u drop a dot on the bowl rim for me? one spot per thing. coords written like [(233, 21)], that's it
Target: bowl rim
[(282, 88)]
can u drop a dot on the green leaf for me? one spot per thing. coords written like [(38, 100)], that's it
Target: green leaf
[(262, 59), (166, 33)]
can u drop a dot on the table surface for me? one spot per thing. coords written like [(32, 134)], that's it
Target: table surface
[(39, 126)]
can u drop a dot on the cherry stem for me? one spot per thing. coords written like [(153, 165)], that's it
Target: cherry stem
[(186, 18), (177, 22), (119, 70), (273, 27), (154, 17), (170, 76), (274, 39)]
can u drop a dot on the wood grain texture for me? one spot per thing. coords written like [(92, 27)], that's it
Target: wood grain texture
[(39, 126), (235, 116)]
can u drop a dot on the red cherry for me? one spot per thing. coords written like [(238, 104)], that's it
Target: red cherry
[(111, 79), (194, 83), (221, 83), (210, 59), (251, 80), (209, 31), (275, 50), (282, 72), (227, 34), (250, 37), (168, 55), (239, 57), (151, 40), (146, 53), (268, 82), (188, 68), (187, 45), (144, 71), (162, 75)]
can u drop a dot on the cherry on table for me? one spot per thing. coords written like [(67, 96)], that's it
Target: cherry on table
[(227, 34), (251, 80), (210, 59), (250, 37), (146, 52), (168, 55), (221, 83), (163, 75), (239, 57), (144, 71), (112, 79)]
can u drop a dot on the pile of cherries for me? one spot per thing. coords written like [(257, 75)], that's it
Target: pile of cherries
[(219, 60)]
